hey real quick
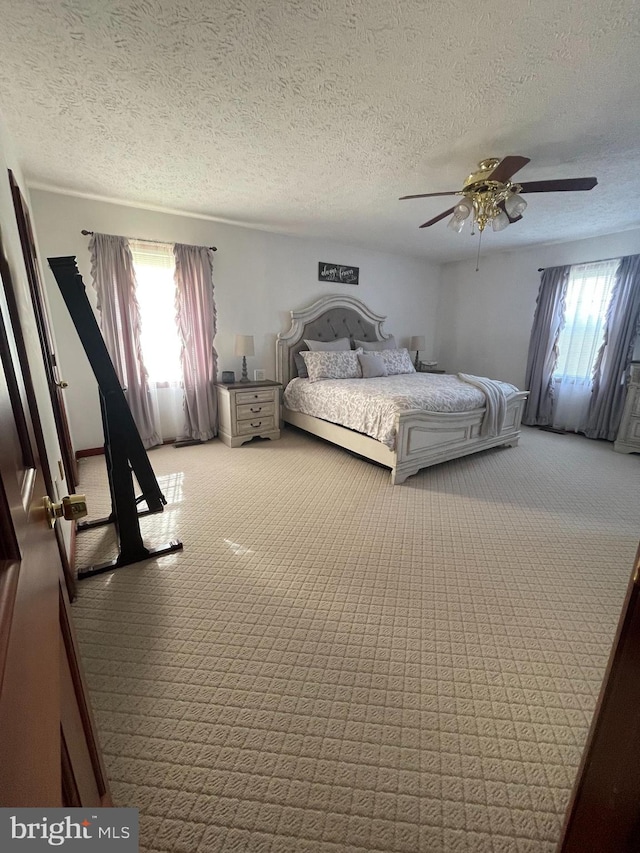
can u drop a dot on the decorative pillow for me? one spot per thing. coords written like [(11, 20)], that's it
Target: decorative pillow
[(397, 361), (377, 346), (372, 365), (340, 344), (332, 365), (301, 367)]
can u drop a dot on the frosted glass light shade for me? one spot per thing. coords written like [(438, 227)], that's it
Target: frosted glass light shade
[(463, 209), (244, 345), (456, 224), (416, 342), (500, 222), (515, 205)]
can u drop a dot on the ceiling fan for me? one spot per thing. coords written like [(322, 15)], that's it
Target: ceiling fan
[(489, 195)]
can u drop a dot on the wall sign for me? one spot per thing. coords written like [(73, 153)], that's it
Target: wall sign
[(336, 272)]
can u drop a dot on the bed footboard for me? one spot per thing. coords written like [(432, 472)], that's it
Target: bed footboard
[(427, 438)]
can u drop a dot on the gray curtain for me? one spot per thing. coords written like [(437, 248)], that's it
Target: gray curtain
[(620, 334), (543, 347), (114, 281), (196, 317)]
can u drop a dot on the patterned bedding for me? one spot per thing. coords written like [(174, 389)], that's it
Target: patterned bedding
[(370, 405)]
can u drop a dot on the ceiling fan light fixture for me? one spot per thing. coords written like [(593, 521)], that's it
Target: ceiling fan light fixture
[(463, 209), (500, 222), (456, 223), (515, 205)]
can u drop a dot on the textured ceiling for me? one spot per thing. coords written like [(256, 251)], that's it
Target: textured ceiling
[(311, 117)]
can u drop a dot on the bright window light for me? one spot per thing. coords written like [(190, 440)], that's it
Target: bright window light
[(154, 265), (588, 295)]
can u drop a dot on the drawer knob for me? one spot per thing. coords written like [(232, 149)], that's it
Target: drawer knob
[(256, 411), (256, 425)]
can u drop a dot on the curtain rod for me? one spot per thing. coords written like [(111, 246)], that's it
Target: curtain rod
[(140, 240), (599, 261)]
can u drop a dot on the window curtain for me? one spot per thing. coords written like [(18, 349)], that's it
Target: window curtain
[(621, 331), (543, 347), (196, 317), (115, 284), (586, 303)]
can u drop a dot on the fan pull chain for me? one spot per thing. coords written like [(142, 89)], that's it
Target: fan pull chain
[(478, 255)]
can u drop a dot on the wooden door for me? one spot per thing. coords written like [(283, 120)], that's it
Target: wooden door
[(604, 812), (49, 755), (55, 381)]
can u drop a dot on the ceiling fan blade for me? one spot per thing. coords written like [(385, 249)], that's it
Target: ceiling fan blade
[(511, 219), (425, 195), (507, 167), (562, 186), (437, 218)]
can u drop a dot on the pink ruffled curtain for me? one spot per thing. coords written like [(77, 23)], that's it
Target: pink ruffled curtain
[(114, 281), (196, 318)]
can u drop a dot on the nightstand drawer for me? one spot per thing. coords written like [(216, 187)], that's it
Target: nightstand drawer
[(256, 426), (255, 410), (258, 396)]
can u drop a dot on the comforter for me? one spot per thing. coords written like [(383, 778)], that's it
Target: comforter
[(370, 406)]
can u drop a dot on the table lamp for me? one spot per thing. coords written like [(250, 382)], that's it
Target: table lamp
[(417, 343), (244, 347)]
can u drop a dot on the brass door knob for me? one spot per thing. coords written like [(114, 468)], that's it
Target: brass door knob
[(72, 507)]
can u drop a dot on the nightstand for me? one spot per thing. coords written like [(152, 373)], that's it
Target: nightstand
[(247, 410), (430, 370)]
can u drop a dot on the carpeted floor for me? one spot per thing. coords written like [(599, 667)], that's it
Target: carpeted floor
[(335, 664)]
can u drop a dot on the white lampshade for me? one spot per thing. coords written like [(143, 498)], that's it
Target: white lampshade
[(515, 205), (244, 345), (500, 222), (416, 342), (463, 209)]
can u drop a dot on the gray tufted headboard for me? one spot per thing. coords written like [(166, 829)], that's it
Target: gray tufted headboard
[(327, 319)]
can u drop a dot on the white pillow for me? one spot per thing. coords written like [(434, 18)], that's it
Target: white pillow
[(397, 361), (340, 344), (377, 346), (332, 365)]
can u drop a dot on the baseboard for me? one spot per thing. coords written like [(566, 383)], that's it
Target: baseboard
[(99, 451), (90, 451)]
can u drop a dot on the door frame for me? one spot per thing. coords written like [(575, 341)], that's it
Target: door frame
[(43, 324), (7, 284)]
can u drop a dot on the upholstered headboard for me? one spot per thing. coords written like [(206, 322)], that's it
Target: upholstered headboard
[(327, 319)]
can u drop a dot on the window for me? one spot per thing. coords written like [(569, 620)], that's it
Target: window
[(587, 300), (588, 294), (154, 265)]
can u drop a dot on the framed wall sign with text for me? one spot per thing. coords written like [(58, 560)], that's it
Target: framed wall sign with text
[(337, 272)]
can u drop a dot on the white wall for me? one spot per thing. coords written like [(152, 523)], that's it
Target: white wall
[(259, 277), (485, 317)]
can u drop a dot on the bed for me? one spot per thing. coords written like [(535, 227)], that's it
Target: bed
[(418, 438)]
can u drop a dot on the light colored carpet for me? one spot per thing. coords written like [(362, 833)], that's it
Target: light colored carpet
[(334, 664)]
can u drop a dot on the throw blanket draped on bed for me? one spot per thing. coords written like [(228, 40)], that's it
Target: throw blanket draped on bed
[(496, 403)]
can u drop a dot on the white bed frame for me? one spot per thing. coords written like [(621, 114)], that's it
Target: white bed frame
[(423, 438)]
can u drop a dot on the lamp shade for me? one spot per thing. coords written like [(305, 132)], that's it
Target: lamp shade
[(417, 342), (244, 345)]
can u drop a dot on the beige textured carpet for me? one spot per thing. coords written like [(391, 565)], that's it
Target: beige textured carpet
[(335, 664)]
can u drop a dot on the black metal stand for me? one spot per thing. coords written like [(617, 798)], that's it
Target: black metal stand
[(124, 452)]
